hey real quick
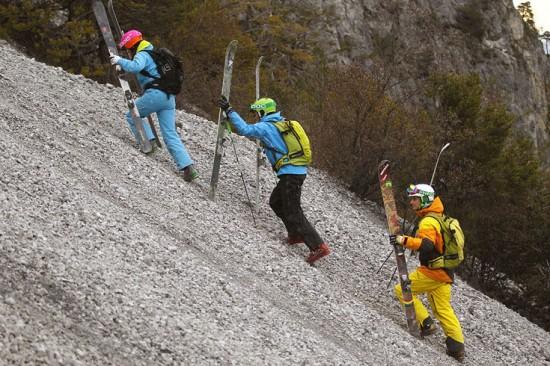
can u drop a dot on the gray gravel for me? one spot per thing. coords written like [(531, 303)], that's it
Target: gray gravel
[(107, 257)]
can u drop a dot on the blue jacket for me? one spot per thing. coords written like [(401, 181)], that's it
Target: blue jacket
[(270, 137), (141, 61)]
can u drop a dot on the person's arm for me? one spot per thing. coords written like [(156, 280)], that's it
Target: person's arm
[(134, 66), (425, 239), (241, 127)]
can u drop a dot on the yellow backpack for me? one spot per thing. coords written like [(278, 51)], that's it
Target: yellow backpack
[(297, 143), (453, 243)]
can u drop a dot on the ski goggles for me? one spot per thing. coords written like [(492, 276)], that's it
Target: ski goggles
[(413, 191)]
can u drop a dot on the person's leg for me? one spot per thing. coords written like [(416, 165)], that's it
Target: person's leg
[(419, 285), (157, 101), (439, 296), (276, 204), (145, 105), (292, 211), (440, 301), (173, 143)]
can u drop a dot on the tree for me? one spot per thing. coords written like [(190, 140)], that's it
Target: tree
[(497, 189), (354, 125), (526, 13), (58, 32)]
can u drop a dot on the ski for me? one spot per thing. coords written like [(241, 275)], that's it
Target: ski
[(105, 28), (395, 229), (119, 33), (259, 155), (223, 129)]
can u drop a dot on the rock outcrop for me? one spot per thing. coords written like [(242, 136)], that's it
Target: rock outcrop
[(417, 37)]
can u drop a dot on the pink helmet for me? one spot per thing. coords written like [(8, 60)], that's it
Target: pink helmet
[(130, 38)]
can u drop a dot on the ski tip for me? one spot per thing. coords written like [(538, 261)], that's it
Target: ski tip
[(232, 45), (383, 166)]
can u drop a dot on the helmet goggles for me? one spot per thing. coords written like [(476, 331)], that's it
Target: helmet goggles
[(424, 191)]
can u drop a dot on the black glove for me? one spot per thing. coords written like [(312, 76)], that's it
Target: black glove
[(223, 103), (397, 240)]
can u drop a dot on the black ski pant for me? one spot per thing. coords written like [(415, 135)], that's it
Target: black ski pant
[(285, 202)]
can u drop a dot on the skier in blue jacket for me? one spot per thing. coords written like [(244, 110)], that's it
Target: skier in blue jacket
[(285, 198), (154, 101)]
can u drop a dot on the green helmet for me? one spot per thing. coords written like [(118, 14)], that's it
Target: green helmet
[(264, 106)]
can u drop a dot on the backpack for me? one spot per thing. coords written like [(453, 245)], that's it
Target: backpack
[(453, 243), (170, 69), (297, 144)]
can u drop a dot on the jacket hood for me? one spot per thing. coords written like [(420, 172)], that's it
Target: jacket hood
[(435, 207), (272, 117), (144, 45)]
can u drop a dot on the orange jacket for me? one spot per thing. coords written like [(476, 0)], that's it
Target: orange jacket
[(429, 241)]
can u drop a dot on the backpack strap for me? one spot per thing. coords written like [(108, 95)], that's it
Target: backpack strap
[(272, 148), (145, 73), (439, 219), (286, 157), (152, 84)]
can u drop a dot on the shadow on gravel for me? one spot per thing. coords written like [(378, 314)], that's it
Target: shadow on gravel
[(44, 307)]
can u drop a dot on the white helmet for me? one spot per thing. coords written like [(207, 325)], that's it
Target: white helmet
[(424, 191)]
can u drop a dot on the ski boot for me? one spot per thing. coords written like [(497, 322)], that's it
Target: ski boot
[(318, 253), (455, 349), (189, 173), (427, 327)]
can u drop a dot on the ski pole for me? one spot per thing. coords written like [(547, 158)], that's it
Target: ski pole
[(385, 260), (244, 183), (437, 161)]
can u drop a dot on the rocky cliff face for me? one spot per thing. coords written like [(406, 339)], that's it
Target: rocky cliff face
[(417, 37)]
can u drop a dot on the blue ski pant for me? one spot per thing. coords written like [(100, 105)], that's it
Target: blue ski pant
[(157, 101)]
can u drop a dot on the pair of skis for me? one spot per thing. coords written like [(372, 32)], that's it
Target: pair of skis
[(106, 32), (394, 228), (222, 136)]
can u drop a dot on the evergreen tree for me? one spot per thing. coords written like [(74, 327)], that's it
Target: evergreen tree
[(526, 13)]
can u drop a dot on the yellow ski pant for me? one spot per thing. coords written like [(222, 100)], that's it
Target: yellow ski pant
[(439, 296)]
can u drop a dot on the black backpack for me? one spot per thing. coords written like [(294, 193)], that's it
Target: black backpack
[(170, 69)]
